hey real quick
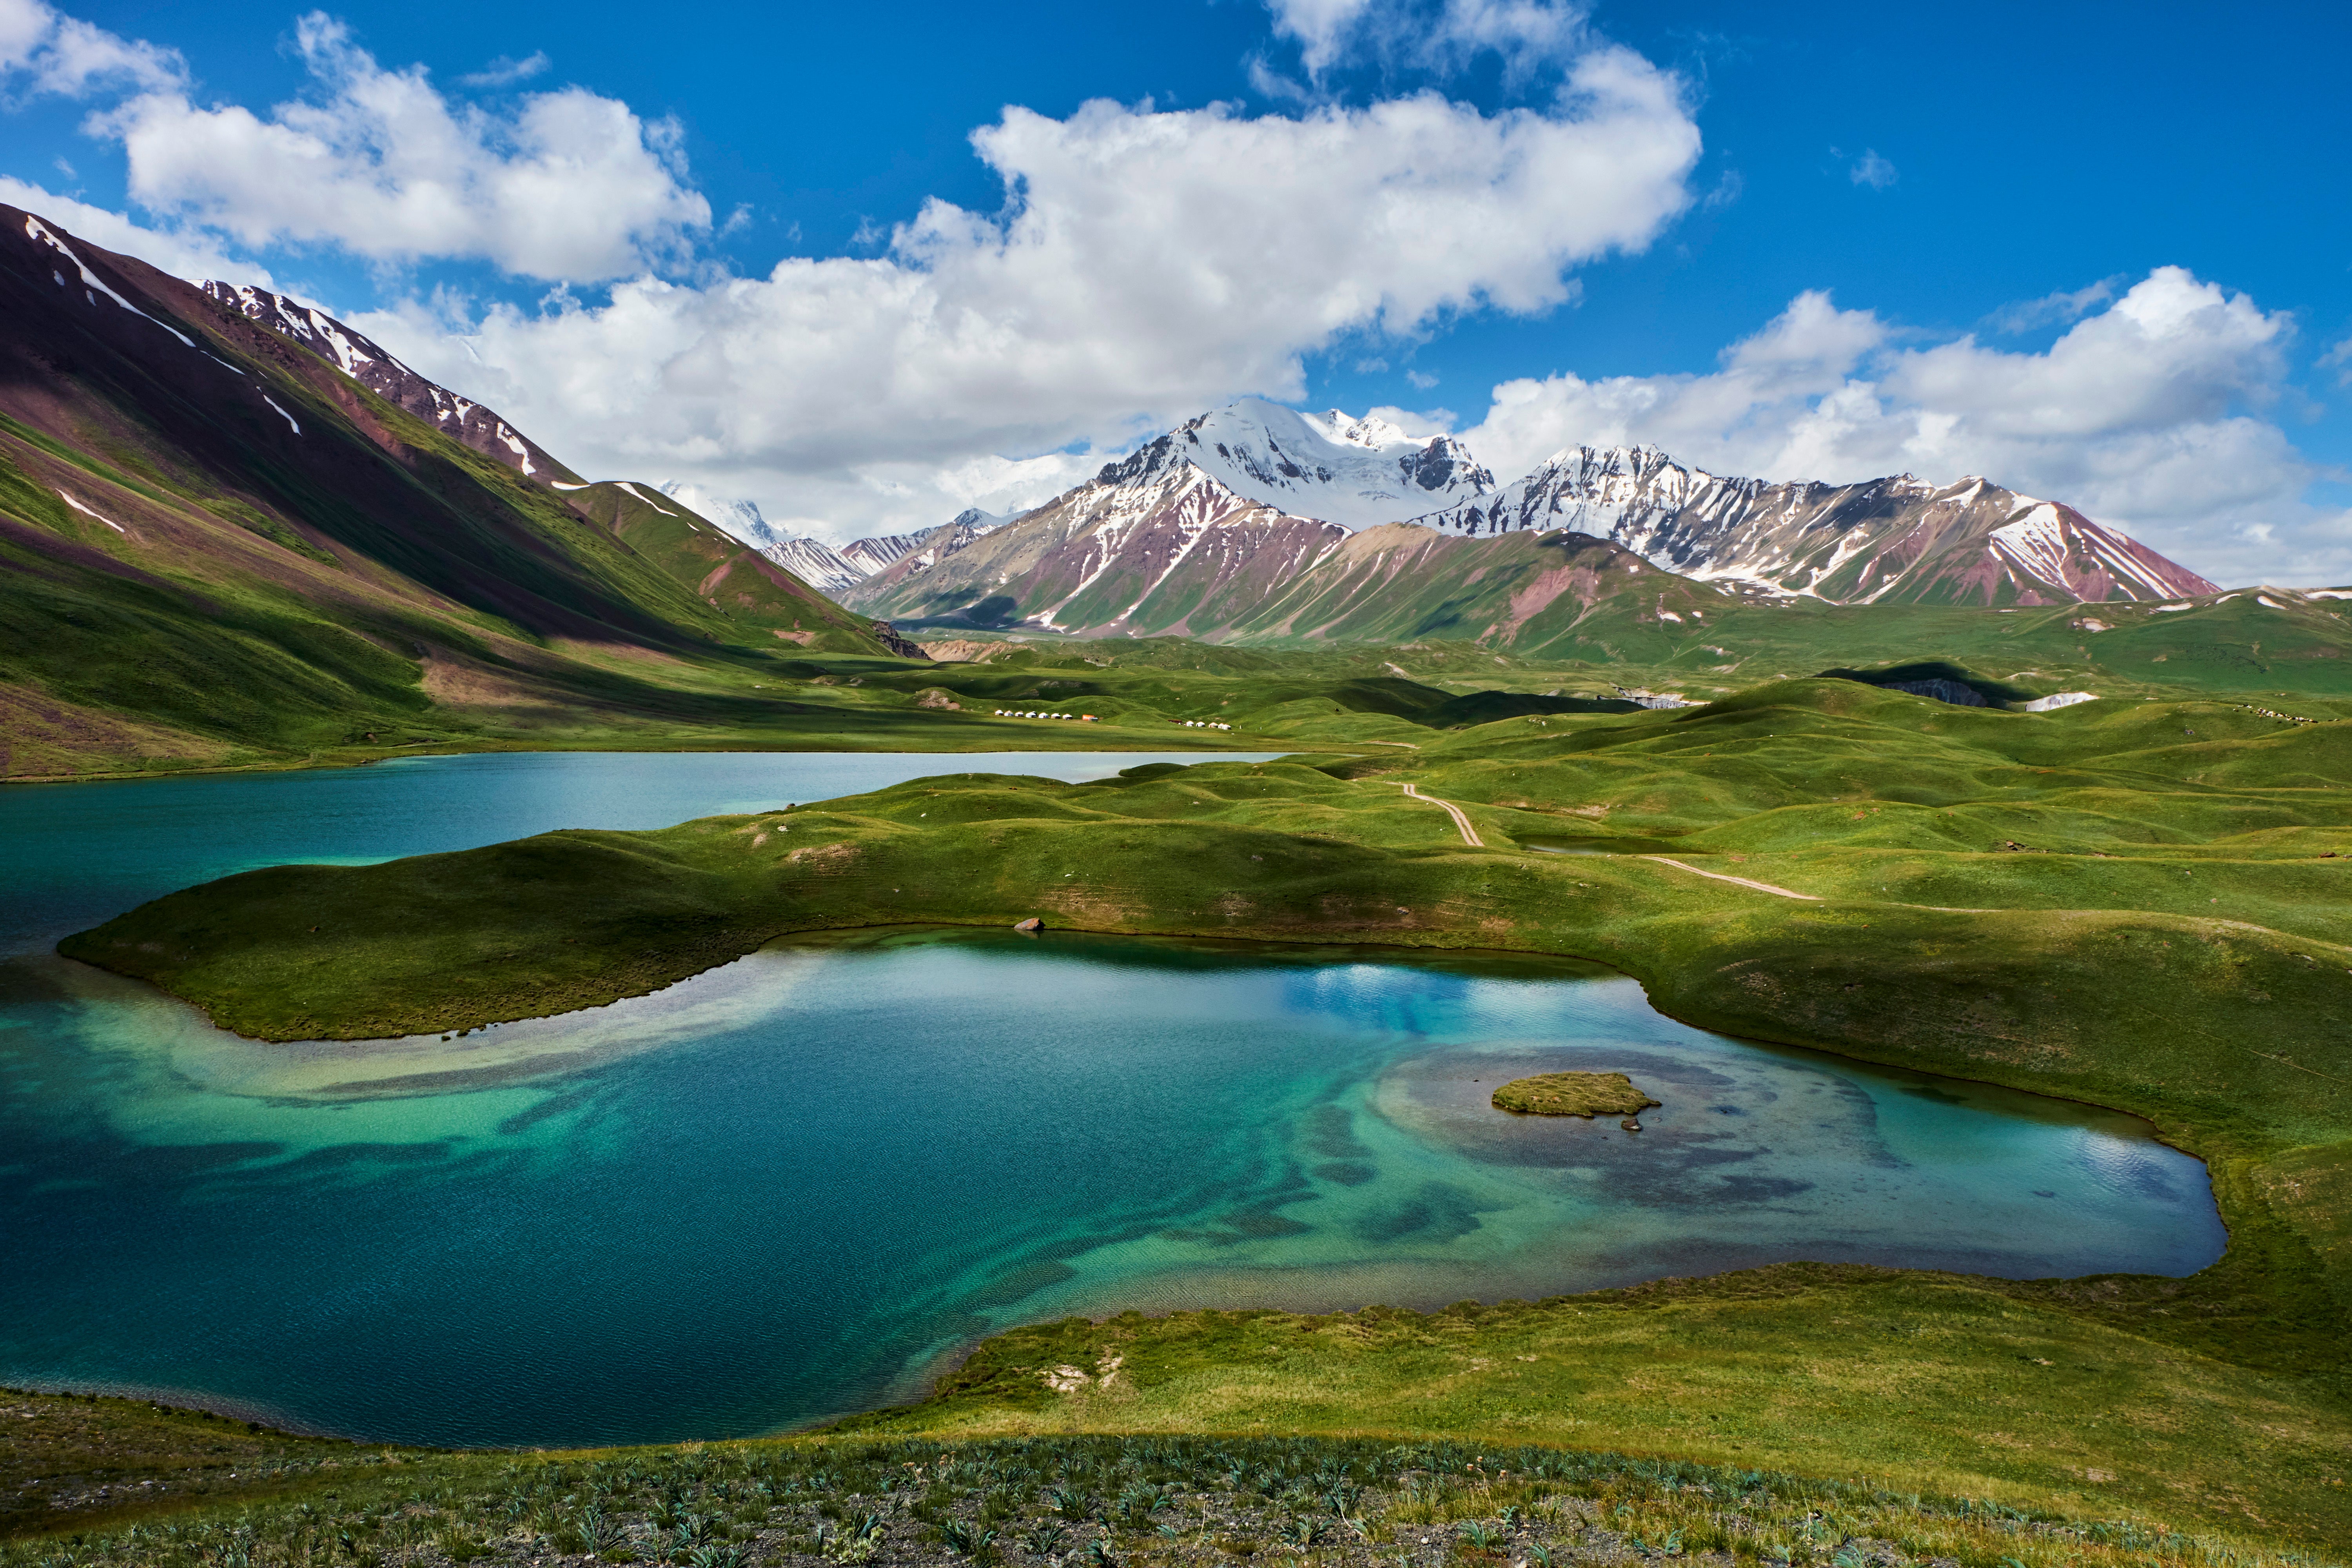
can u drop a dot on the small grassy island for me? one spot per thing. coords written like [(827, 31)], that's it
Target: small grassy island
[(1585, 1094)]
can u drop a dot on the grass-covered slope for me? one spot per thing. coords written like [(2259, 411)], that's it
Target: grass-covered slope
[(1161, 1500), (732, 578), (1922, 1382)]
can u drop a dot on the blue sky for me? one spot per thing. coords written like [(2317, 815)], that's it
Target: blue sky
[(2102, 254)]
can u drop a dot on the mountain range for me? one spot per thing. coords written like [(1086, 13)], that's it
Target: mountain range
[(1191, 535), (1330, 466), (1884, 541), (228, 519), (832, 571)]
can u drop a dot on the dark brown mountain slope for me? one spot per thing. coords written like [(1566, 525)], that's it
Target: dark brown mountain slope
[(214, 541)]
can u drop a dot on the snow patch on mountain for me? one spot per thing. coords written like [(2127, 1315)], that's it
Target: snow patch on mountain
[(816, 563), (1331, 465), (92, 283), (373, 367), (739, 518)]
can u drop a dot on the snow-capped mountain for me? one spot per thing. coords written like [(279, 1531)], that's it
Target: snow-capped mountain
[(1893, 540), (1189, 534), (816, 563), (878, 552), (833, 571), (885, 551), (739, 518), (369, 364), (1154, 543), (1354, 472)]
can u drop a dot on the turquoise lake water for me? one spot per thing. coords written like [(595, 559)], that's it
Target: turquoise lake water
[(785, 1188)]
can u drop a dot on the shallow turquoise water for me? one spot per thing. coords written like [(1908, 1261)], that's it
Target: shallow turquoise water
[(784, 1188)]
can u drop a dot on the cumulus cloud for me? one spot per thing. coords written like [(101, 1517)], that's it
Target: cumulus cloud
[(45, 52), (1321, 29), (195, 256), (2145, 414), (1148, 265), (380, 164)]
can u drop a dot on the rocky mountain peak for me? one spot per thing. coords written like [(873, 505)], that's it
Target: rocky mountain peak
[(1333, 467)]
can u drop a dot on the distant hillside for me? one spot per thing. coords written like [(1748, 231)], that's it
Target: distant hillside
[(231, 525), (1891, 540)]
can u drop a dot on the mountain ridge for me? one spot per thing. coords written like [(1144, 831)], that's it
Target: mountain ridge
[(375, 368), (1890, 540), (217, 540)]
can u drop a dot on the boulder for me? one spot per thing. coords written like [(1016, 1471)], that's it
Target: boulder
[(1032, 924)]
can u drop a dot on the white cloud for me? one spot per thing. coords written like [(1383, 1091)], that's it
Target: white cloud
[(2141, 415), (1422, 380), (1440, 36), (1321, 29), (379, 162), (1149, 265), (2064, 306), (1418, 422), (1870, 169), (45, 52), (506, 71), (2339, 360), (193, 257)]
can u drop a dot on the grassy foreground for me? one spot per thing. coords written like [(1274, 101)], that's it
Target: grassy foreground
[(2140, 905), (1101, 1500)]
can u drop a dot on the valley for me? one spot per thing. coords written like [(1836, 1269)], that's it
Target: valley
[(1947, 807)]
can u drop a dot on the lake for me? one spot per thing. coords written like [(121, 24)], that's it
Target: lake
[(784, 1189)]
